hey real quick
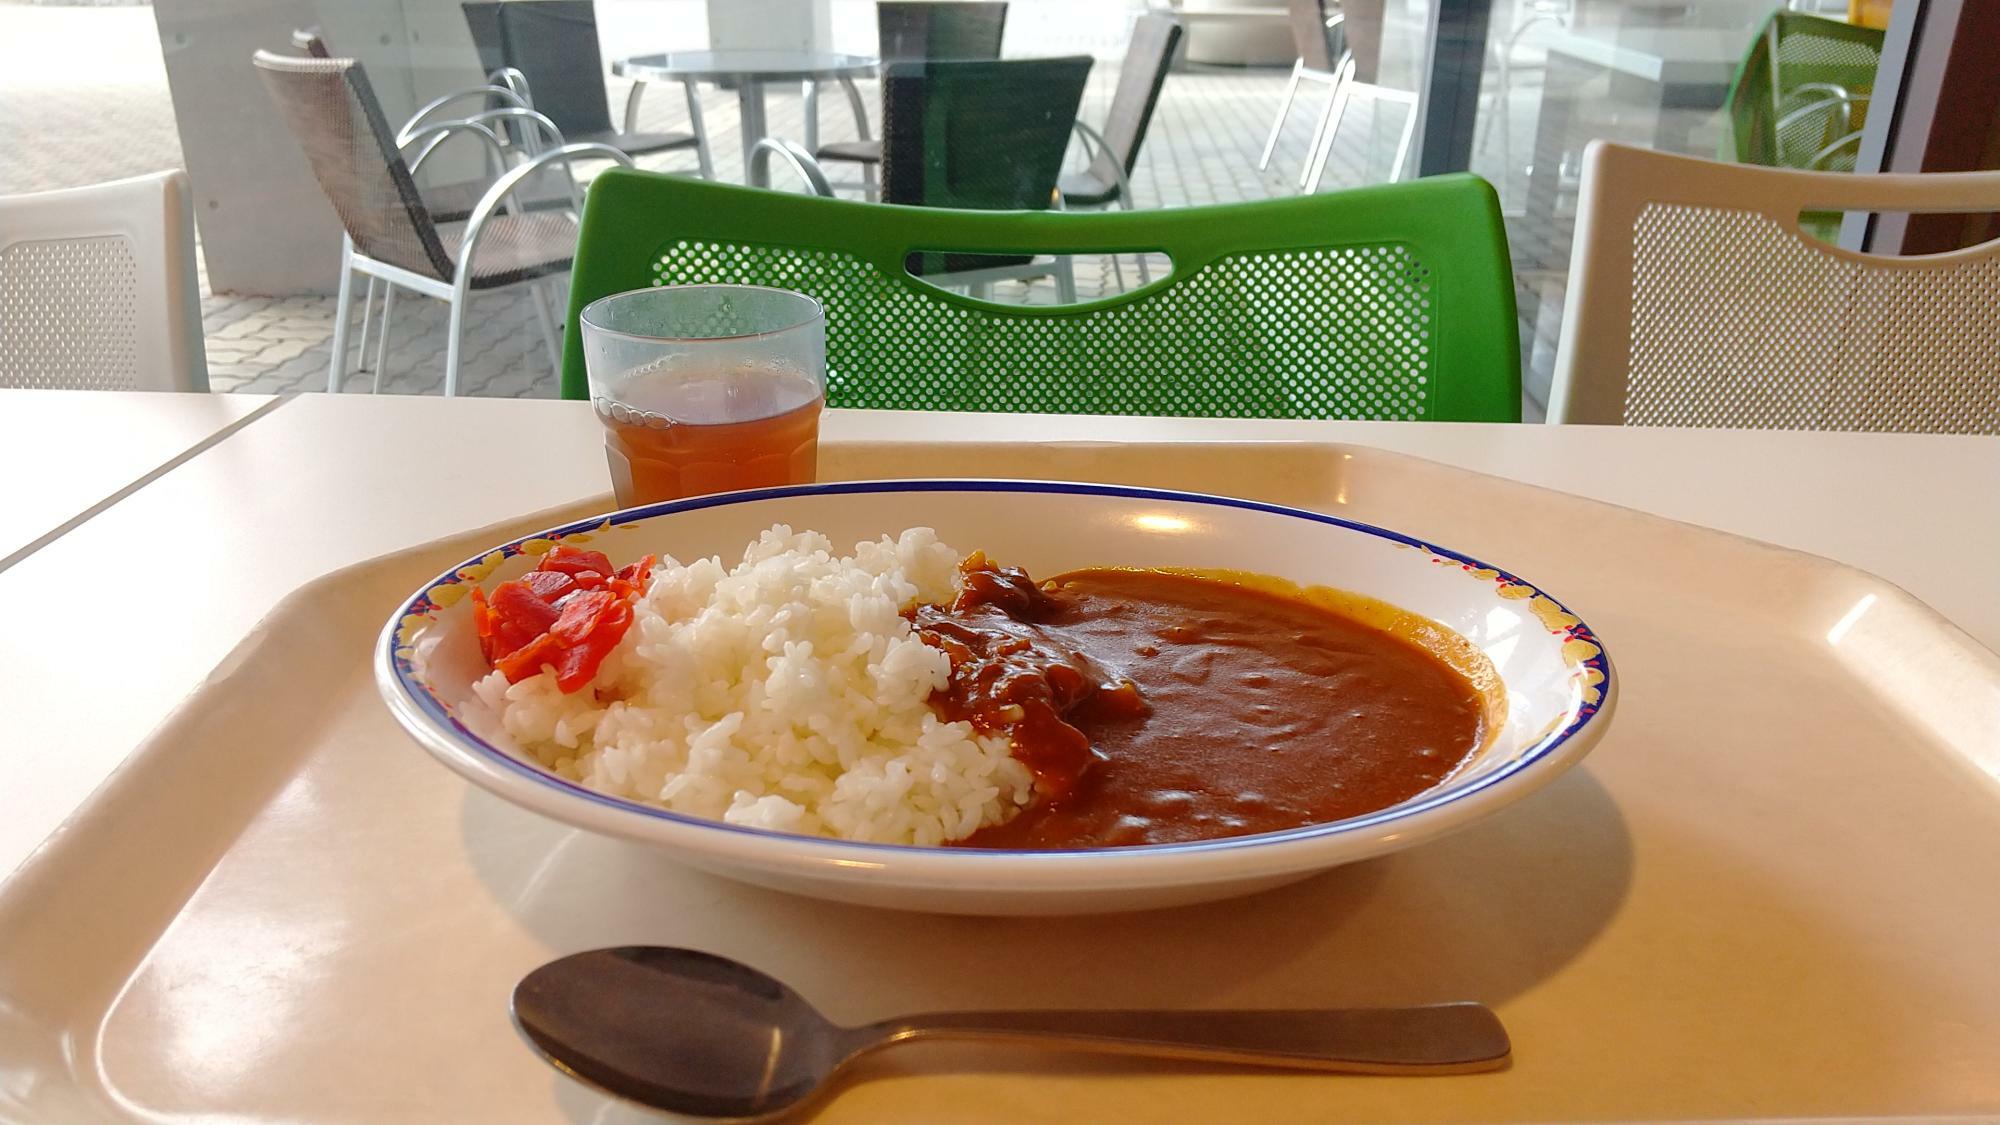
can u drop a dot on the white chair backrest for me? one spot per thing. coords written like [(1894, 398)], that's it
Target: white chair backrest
[(1695, 299), (97, 288)]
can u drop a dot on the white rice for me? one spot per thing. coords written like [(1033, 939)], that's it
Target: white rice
[(786, 693)]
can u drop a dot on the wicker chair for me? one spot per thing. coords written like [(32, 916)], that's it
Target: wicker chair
[(1113, 153), (392, 235), (916, 31), (499, 116), (509, 120)]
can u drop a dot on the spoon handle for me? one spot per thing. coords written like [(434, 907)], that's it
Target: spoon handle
[(1443, 1038)]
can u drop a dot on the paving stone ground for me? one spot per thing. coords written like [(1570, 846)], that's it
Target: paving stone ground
[(83, 98)]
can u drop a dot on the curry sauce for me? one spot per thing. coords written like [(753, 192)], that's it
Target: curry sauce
[(1155, 707)]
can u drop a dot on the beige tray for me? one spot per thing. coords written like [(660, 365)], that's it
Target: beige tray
[(1773, 891)]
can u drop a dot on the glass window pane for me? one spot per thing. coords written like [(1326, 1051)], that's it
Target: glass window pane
[(1560, 73)]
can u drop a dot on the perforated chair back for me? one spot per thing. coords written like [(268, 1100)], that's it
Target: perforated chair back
[(1799, 61), (1148, 57), (1695, 299), (554, 44), (1384, 302), (1319, 46), (97, 288), (915, 30), (333, 112)]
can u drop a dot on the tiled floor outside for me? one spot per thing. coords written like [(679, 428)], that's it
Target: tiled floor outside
[(115, 119)]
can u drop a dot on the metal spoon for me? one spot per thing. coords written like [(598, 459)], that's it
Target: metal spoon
[(699, 1034)]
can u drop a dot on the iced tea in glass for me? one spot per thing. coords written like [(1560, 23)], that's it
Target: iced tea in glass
[(706, 388)]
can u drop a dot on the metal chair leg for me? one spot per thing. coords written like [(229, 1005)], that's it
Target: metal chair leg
[(1118, 267), (1336, 108), (1124, 201), (700, 131), (855, 103), (454, 338), (809, 93), (1316, 164), (1498, 118), (367, 306), (869, 189), (342, 305), (1284, 111), (1065, 280), (1501, 101), (1403, 144), (381, 344), (632, 105), (549, 337), (1322, 137)]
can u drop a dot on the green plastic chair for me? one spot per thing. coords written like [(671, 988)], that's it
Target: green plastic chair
[(1391, 302), (1800, 97)]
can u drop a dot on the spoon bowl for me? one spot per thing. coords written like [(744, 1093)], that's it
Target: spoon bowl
[(679, 1029), (699, 1034)]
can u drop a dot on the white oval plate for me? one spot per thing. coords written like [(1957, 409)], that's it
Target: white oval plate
[(1557, 678)]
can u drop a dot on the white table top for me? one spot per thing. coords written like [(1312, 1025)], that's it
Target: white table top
[(318, 482), (63, 453), (1670, 56)]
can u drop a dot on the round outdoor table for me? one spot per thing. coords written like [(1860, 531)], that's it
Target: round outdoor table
[(748, 71)]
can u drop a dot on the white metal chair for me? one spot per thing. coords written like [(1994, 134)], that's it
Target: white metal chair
[(1318, 35), (1696, 299), (500, 116), (1346, 90), (511, 132), (97, 288)]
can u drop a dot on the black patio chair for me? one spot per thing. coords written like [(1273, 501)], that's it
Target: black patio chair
[(548, 51), (917, 31), (979, 136)]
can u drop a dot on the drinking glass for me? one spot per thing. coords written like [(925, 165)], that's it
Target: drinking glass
[(706, 388)]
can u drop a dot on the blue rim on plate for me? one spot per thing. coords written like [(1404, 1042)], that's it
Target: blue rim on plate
[(400, 663)]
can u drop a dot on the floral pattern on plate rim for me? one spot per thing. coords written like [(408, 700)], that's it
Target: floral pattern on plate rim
[(1580, 649)]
